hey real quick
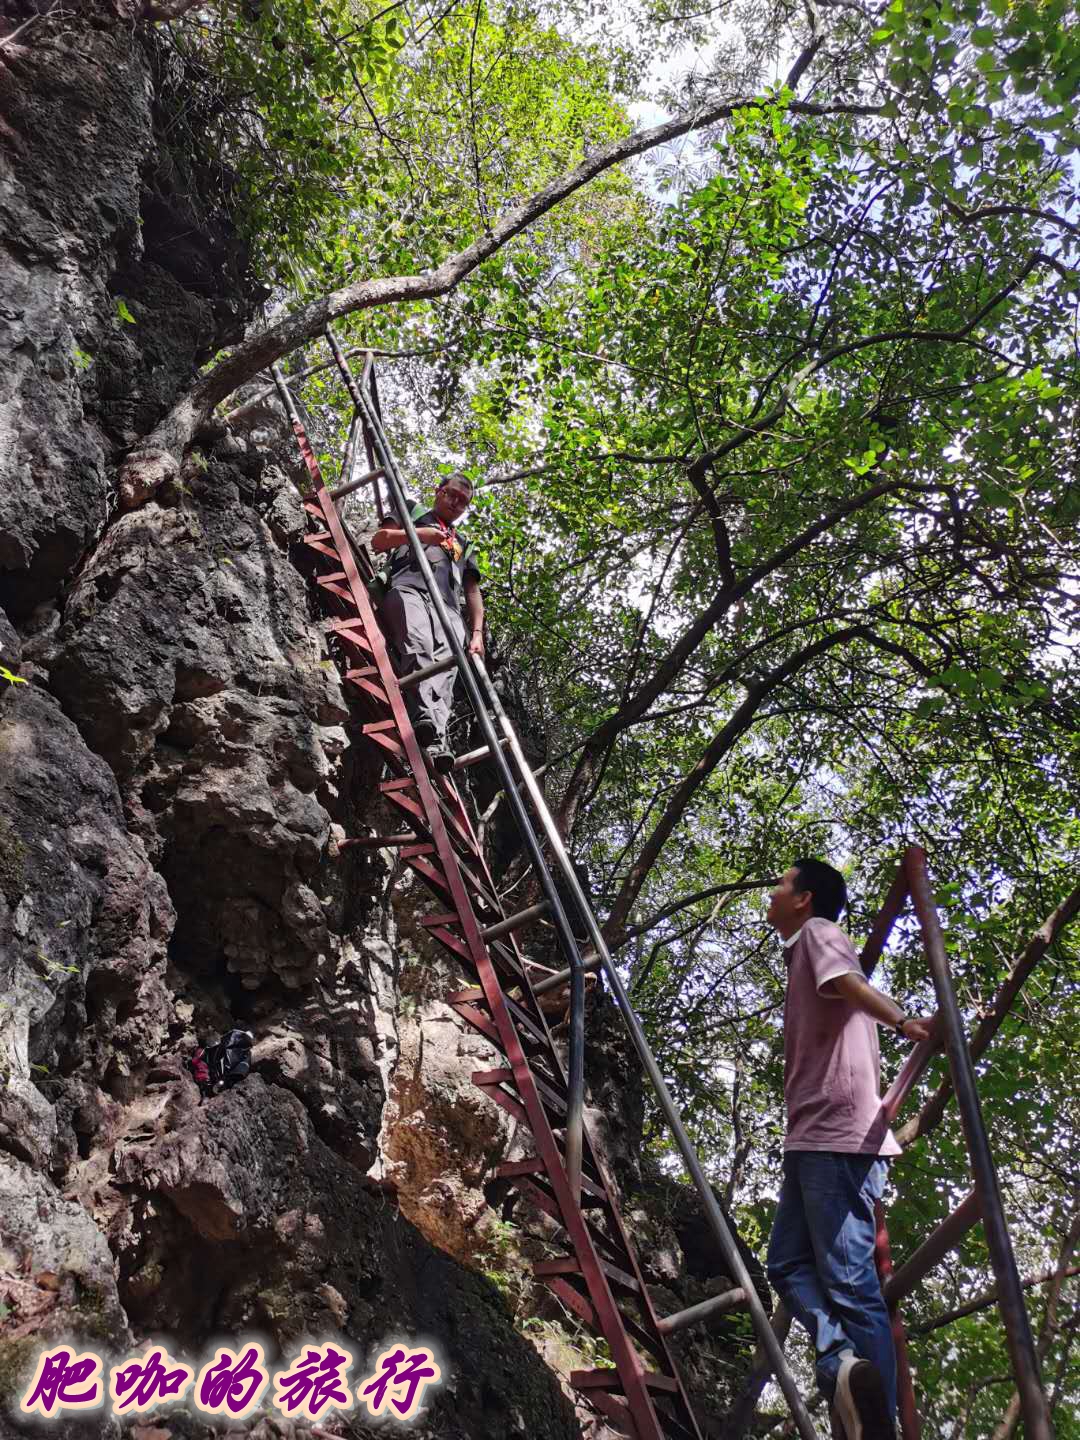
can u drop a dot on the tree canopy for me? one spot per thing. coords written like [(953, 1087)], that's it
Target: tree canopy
[(772, 405)]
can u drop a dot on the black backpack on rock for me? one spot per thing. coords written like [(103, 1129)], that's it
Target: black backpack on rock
[(229, 1061)]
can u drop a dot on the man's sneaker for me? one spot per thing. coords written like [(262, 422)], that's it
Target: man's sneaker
[(426, 734), (860, 1401), (441, 758)]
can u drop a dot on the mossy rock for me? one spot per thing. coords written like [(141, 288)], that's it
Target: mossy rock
[(16, 1364), (12, 863)]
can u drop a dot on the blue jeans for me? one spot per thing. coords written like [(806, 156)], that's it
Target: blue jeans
[(821, 1260)]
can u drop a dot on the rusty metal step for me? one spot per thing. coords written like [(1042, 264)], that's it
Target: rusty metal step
[(534, 1165), (568, 1265), (481, 1020), (379, 842), (544, 1198), (502, 1076), (609, 1380)]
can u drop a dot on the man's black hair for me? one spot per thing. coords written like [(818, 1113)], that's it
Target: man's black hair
[(827, 887), (460, 478)]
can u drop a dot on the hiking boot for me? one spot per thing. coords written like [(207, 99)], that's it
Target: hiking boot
[(860, 1401), (441, 758)]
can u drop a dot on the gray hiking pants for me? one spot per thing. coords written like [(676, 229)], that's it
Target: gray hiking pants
[(414, 628)]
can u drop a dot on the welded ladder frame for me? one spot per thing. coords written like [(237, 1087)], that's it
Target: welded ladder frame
[(984, 1203), (473, 676), (602, 1313)]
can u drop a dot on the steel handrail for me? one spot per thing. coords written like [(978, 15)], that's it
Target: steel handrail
[(1020, 1341), (469, 668), (714, 1215)]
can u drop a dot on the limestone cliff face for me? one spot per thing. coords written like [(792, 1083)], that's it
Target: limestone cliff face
[(174, 776)]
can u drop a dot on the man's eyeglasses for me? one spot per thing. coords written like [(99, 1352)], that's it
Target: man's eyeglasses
[(457, 496)]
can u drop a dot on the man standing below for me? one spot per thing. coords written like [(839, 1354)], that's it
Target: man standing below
[(410, 616), (821, 1254)]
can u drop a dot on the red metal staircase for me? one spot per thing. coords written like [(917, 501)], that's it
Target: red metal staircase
[(599, 1277)]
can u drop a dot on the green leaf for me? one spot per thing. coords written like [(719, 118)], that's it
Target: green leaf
[(123, 312)]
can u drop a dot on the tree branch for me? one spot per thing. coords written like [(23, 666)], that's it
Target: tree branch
[(986, 212), (863, 342), (692, 637), (985, 1300), (738, 723), (684, 902), (148, 467)]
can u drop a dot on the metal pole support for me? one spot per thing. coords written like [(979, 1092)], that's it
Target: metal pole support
[(1025, 1361)]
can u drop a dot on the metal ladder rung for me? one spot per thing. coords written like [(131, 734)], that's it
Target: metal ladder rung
[(502, 1076), (378, 842), (589, 961), (546, 1201), (374, 689), (427, 672), (706, 1310), (609, 1380), (570, 1266), (534, 1165), (431, 873), (340, 491), (572, 1298), (514, 922), (479, 1021), (454, 827), (443, 918), (524, 1021), (474, 757)]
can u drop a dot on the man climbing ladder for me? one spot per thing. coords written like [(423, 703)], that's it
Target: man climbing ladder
[(821, 1254), (410, 619)]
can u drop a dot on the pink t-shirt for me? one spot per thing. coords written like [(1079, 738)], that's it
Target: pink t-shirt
[(831, 1064)]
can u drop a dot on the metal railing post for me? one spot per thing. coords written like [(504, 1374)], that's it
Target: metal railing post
[(1025, 1361)]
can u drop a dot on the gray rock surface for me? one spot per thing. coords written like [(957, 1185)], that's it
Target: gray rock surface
[(83, 926), (188, 658), (101, 216)]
